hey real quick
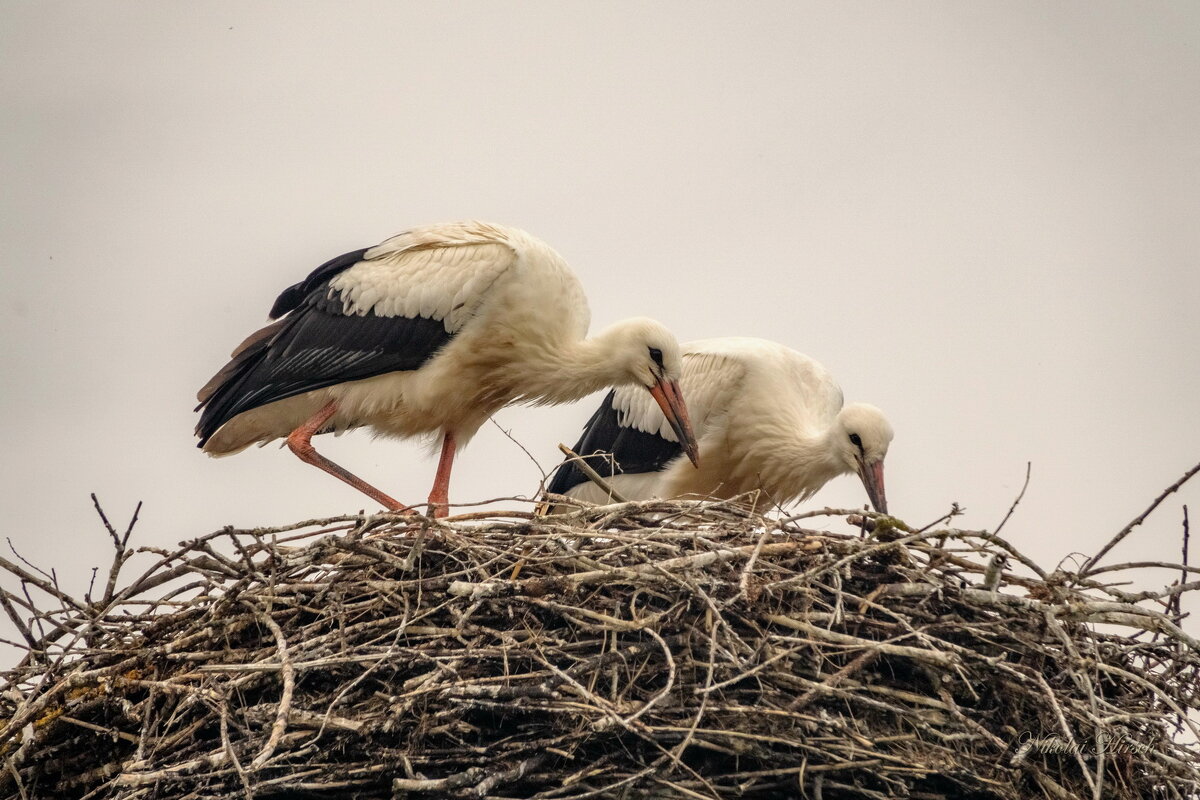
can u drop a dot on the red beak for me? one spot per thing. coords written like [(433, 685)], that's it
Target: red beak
[(670, 400), (872, 478)]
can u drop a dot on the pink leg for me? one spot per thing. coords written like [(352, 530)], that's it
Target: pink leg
[(439, 497), (299, 441)]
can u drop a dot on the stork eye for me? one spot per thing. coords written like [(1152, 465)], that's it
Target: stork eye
[(656, 356), (856, 440)]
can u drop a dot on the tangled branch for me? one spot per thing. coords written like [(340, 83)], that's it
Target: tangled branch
[(665, 649)]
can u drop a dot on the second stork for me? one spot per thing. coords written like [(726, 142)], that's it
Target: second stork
[(768, 419)]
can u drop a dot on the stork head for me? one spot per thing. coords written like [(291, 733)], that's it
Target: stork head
[(644, 352), (861, 439)]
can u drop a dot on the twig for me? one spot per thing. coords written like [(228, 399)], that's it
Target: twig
[(591, 474), (107, 525), (508, 435), (19, 623), (285, 700), (1013, 507), (1085, 570), (247, 789), (16, 776), (1174, 607)]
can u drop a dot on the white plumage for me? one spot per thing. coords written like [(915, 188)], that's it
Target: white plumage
[(431, 331), (765, 416)]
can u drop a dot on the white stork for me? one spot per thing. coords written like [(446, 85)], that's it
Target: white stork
[(431, 331), (765, 416)]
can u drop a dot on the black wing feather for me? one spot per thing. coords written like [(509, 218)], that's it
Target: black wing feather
[(317, 346), (294, 295), (613, 449)]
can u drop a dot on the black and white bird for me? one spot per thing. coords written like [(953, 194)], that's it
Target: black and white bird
[(994, 573), (765, 416), (430, 332)]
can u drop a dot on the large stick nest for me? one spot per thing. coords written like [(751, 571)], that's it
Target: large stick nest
[(653, 649)]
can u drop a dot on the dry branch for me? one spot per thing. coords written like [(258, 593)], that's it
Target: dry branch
[(641, 649)]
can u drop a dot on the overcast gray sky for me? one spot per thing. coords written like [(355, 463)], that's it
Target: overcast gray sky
[(982, 217)]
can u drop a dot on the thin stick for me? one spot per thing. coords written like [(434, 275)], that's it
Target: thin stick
[(508, 435), (591, 474), (1091, 562), (18, 623), (285, 700), (955, 510), (107, 525), (1183, 573), (1013, 507)]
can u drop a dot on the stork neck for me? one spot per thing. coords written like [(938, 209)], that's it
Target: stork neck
[(566, 373), (791, 458)]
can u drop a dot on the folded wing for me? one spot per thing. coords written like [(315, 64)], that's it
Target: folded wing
[(365, 313)]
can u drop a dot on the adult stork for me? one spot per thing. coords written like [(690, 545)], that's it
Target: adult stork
[(431, 331), (766, 418)]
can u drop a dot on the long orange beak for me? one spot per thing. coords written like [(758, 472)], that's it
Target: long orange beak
[(670, 400), (872, 478)]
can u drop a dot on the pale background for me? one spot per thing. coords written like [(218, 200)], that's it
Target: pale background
[(983, 217)]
